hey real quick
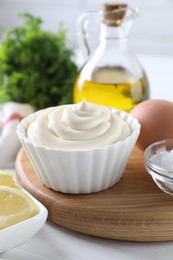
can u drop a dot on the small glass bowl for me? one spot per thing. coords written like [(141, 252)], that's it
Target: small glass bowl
[(158, 160)]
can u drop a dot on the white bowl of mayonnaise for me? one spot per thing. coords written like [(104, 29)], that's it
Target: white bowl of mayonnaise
[(79, 148)]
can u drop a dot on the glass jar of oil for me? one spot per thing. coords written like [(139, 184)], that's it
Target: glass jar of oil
[(112, 76)]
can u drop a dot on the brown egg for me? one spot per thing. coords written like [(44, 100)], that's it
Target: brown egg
[(156, 119)]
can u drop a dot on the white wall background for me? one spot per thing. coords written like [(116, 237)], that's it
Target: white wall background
[(151, 34)]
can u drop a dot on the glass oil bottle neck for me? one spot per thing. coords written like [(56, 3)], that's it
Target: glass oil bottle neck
[(113, 37), (112, 32)]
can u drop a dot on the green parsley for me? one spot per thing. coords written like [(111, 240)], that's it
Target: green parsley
[(36, 66)]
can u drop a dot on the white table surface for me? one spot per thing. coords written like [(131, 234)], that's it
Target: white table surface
[(55, 242)]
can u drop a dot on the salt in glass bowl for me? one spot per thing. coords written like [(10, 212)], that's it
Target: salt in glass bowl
[(158, 160)]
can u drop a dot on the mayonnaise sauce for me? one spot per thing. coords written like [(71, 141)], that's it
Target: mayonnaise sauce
[(78, 126)]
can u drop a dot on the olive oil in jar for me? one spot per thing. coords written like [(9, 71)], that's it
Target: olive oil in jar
[(112, 75), (103, 89)]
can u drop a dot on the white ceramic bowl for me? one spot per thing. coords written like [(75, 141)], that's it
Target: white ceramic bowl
[(22, 231), (80, 171)]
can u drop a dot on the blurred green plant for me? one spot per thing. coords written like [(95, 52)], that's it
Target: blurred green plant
[(36, 66)]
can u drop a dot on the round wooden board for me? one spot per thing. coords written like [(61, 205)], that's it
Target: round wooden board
[(134, 209)]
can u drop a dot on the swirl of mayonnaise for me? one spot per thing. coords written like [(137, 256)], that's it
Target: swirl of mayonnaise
[(77, 126)]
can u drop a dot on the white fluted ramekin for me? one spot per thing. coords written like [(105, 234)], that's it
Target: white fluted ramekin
[(80, 171)]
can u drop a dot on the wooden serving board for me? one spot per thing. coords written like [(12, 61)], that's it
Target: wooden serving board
[(134, 209)]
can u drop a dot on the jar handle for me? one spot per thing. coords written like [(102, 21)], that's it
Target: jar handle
[(82, 31)]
